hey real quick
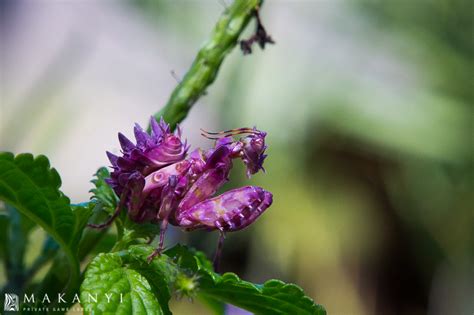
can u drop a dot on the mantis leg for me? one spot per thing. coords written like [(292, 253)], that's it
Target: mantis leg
[(218, 254), (205, 187), (216, 173), (167, 205), (116, 213)]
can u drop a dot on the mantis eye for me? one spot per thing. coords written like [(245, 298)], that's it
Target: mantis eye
[(258, 144)]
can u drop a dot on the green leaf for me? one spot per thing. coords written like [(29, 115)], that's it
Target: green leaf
[(103, 203), (106, 202), (160, 272), (160, 275), (135, 233), (102, 191), (129, 232), (129, 292), (167, 272), (273, 297), (93, 238), (32, 187), (82, 213)]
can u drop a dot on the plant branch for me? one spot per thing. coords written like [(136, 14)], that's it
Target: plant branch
[(204, 69)]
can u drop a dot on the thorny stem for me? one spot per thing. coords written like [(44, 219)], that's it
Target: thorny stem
[(204, 69)]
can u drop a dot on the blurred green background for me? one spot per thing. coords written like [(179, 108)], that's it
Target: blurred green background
[(368, 109)]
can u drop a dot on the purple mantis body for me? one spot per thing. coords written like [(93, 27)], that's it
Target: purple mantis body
[(157, 180)]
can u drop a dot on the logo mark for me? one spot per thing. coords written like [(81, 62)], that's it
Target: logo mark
[(11, 302)]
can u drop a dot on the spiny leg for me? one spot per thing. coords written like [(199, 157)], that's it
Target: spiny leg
[(205, 187), (167, 205), (216, 173), (159, 249), (163, 228), (218, 254), (117, 210)]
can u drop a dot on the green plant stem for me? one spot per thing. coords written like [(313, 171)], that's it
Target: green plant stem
[(204, 69)]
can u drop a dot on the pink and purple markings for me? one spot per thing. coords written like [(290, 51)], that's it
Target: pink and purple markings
[(158, 181)]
